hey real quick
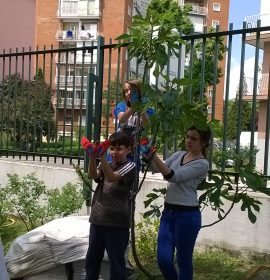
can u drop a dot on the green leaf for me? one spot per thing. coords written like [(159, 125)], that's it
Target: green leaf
[(123, 37), (251, 216)]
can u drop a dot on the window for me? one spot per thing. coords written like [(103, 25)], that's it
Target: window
[(68, 119), (216, 7), (83, 120), (79, 94), (129, 10), (209, 109), (210, 93), (215, 23), (65, 94)]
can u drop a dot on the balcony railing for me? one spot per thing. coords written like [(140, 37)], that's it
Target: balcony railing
[(69, 35), (252, 20), (262, 86), (69, 58), (68, 80), (70, 102), (74, 10), (198, 10)]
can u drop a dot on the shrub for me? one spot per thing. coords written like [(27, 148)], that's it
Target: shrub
[(27, 197), (146, 240), (30, 200), (65, 201), (5, 208)]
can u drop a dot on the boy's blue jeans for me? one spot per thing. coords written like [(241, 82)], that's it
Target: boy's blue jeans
[(115, 241), (178, 230)]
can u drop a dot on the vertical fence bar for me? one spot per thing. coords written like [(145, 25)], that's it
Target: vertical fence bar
[(117, 83), (64, 98), (35, 113), (73, 102), (22, 137), (240, 93), (255, 91), (57, 102), (43, 98), (227, 90), (202, 79), (99, 88), (108, 92), (15, 105), (215, 75), (267, 130), (28, 143), (2, 100), (190, 68), (50, 105)]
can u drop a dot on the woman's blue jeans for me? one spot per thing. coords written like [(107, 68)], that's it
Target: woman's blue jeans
[(178, 230)]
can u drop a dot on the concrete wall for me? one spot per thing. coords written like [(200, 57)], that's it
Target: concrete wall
[(235, 232)]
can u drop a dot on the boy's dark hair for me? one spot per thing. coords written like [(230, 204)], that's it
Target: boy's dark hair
[(120, 138)]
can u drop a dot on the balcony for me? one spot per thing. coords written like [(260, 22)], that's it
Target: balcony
[(78, 10), (70, 102), (69, 58), (198, 10), (263, 85), (73, 36), (262, 88), (251, 22), (68, 80)]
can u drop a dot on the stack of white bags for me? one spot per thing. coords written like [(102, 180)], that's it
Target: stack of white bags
[(53, 251)]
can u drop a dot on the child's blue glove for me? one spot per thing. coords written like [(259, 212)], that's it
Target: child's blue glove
[(138, 103), (146, 149)]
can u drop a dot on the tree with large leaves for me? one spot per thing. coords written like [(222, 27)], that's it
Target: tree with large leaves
[(149, 39)]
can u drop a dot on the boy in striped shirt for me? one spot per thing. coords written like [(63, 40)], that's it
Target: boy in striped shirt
[(110, 211)]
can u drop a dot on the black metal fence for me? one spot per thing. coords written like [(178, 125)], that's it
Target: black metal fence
[(49, 98)]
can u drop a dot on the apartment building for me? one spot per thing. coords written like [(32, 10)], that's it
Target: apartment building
[(263, 82), (78, 23)]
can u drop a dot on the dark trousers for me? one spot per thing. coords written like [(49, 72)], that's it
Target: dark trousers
[(115, 241)]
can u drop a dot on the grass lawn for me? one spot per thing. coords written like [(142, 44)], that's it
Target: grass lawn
[(218, 264), (9, 233)]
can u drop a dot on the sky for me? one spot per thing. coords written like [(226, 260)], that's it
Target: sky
[(239, 9)]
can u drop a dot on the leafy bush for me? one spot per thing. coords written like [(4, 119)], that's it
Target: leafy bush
[(27, 197), (5, 208), (65, 201), (30, 200), (146, 240)]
